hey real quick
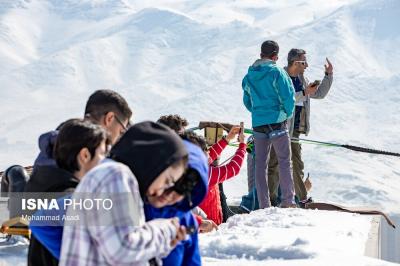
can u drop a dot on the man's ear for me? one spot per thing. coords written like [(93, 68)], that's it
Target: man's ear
[(108, 119), (275, 58), (84, 156)]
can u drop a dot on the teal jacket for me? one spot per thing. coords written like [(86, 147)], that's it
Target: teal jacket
[(268, 93)]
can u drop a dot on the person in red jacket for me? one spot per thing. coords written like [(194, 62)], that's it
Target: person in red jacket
[(179, 124), (211, 205)]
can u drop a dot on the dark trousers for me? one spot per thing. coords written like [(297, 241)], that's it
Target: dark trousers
[(226, 212)]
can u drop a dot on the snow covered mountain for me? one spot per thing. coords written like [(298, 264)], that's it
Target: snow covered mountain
[(189, 57)]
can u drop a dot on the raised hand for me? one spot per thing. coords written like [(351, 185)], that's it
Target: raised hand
[(328, 67), (308, 184), (232, 133)]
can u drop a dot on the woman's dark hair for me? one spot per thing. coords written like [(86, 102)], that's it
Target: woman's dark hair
[(174, 122), (195, 139), (74, 135)]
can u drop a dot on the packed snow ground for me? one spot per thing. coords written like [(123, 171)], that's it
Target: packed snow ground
[(188, 57), (289, 237), (268, 237)]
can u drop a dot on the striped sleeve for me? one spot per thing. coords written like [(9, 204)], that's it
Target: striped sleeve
[(216, 150), (221, 173)]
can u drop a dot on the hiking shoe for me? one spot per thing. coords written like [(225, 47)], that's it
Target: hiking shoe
[(238, 210), (274, 202), (302, 203)]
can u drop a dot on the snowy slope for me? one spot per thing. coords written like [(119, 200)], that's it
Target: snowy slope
[(188, 57)]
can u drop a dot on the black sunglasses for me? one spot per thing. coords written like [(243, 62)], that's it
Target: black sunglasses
[(185, 185)]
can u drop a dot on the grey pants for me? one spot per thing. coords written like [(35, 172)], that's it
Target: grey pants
[(250, 171), (281, 146), (298, 172)]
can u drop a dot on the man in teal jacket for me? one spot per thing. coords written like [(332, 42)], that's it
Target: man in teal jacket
[(269, 95)]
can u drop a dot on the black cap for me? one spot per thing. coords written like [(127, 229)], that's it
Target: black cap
[(148, 148), (269, 49)]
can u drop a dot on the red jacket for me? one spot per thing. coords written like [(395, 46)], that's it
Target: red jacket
[(211, 205)]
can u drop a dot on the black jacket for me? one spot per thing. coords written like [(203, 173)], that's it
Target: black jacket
[(47, 179), (51, 179)]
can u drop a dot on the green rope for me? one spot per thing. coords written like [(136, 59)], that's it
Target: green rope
[(328, 144), (306, 141), (325, 144)]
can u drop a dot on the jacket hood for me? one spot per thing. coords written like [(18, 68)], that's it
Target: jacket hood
[(51, 179), (148, 149), (46, 144), (198, 162), (260, 68)]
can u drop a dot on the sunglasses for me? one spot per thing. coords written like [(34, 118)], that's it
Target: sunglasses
[(185, 185), (301, 62)]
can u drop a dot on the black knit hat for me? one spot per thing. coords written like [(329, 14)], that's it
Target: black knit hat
[(269, 48), (148, 149)]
